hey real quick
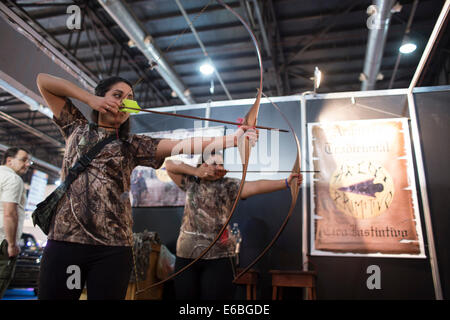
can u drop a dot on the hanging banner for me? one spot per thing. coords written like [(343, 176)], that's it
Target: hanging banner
[(363, 200)]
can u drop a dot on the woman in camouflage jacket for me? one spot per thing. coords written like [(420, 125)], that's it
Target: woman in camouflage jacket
[(209, 198)]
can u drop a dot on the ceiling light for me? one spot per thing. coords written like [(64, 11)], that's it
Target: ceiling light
[(206, 69), (211, 88), (407, 48), (317, 78)]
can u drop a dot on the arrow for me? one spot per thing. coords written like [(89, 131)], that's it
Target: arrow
[(199, 118)]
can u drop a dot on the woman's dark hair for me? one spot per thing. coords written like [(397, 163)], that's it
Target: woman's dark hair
[(100, 90), (104, 85), (11, 153)]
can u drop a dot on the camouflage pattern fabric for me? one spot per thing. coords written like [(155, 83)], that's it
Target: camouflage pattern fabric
[(208, 204), (45, 210), (142, 248), (96, 208)]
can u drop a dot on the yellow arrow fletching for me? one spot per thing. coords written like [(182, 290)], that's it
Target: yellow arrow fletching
[(127, 103)]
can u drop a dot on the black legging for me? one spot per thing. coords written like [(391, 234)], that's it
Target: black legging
[(104, 269), (210, 279)]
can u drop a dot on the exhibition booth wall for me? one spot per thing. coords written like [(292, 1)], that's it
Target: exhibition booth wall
[(340, 276)]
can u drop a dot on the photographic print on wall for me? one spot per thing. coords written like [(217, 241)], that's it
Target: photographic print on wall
[(154, 188)]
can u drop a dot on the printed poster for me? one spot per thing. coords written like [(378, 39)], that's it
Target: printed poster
[(154, 188), (364, 199)]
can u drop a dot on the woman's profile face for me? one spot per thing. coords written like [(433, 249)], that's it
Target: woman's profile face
[(118, 92), (216, 161)]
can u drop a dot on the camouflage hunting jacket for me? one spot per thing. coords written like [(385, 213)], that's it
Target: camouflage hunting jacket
[(208, 204), (96, 208)]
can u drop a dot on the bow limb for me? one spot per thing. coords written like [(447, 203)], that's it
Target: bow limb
[(294, 195), (296, 169), (250, 119)]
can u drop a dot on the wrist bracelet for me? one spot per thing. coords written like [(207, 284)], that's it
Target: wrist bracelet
[(287, 184)]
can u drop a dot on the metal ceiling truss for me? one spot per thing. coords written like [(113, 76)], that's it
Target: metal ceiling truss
[(68, 54), (132, 27), (121, 55), (202, 46), (278, 55), (48, 44), (259, 19), (407, 31), (263, 20), (30, 129)]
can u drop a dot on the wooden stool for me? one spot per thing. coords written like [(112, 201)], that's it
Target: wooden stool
[(249, 279), (298, 279)]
